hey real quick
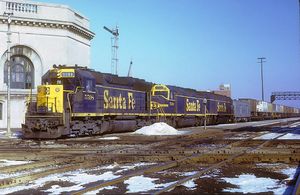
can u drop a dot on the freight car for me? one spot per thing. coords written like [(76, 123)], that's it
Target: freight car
[(262, 110), (242, 112), (74, 101)]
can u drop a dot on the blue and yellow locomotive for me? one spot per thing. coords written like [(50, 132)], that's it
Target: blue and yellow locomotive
[(76, 101)]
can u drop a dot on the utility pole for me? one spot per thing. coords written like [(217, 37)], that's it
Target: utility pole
[(262, 76), (8, 15)]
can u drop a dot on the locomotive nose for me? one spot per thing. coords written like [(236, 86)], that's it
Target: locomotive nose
[(50, 98)]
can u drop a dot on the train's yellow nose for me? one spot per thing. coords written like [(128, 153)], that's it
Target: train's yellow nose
[(50, 98)]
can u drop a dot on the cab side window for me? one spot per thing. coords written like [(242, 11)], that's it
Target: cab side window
[(89, 85)]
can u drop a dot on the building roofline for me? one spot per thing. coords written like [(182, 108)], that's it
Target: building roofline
[(49, 5)]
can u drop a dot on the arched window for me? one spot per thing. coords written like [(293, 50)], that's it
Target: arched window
[(1, 111), (21, 71)]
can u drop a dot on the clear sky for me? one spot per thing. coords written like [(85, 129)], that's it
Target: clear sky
[(200, 43)]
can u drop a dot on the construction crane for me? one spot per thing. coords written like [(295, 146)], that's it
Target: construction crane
[(114, 48)]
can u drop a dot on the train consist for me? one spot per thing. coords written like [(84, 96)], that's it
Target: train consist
[(76, 101), (252, 110)]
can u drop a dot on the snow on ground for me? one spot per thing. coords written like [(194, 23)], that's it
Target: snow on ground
[(20, 173), (290, 136), (109, 138), (240, 136), (5, 162), (158, 129), (190, 185), (248, 183), (213, 173), (186, 174), (296, 124), (79, 178), (138, 184), (290, 172), (124, 167), (265, 124), (225, 125), (269, 136), (13, 136)]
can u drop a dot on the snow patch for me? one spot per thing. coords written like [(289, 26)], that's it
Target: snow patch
[(138, 184), (269, 136), (4, 162), (265, 124), (248, 183), (290, 136), (190, 185), (109, 138), (186, 174), (290, 172), (158, 129), (211, 174), (79, 178), (19, 173), (124, 167), (293, 125)]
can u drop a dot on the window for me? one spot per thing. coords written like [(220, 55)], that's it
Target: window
[(21, 73), (89, 85), (1, 110)]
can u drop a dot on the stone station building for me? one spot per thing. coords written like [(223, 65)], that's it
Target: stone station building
[(42, 35)]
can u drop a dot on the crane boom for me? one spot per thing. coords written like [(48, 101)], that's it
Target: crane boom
[(113, 32)]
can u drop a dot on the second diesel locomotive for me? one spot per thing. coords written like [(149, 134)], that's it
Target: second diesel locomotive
[(77, 101)]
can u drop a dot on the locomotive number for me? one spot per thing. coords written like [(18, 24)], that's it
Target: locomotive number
[(89, 97)]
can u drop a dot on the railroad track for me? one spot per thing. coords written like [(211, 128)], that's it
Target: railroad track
[(214, 148), (220, 155)]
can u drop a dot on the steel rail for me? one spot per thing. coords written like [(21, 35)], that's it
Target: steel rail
[(164, 166), (10, 182), (174, 153), (218, 165)]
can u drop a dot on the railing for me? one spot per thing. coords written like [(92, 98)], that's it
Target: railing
[(21, 7)]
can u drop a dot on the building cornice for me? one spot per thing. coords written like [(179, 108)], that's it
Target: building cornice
[(75, 28)]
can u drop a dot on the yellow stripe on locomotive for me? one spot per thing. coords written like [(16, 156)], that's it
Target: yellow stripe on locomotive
[(50, 97)]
